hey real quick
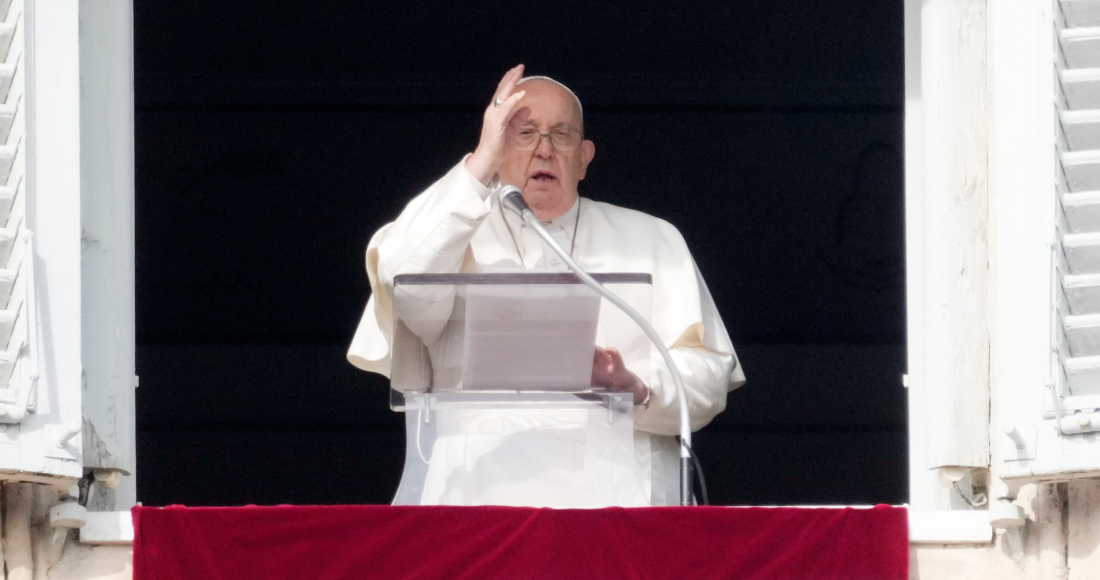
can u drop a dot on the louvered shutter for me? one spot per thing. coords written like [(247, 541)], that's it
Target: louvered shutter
[(1062, 442), (40, 374)]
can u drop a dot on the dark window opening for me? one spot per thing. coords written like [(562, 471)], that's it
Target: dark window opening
[(274, 138)]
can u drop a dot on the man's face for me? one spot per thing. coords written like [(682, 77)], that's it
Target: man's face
[(548, 177)]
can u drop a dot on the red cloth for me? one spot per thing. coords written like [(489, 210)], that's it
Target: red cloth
[(488, 543)]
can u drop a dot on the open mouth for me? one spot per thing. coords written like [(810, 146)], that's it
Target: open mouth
[(543, 176)]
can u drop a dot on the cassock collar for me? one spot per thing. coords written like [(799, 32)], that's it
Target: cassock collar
[(566, 221)]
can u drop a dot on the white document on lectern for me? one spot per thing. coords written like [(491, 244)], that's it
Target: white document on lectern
[(530, 337)]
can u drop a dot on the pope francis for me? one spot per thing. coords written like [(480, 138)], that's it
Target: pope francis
[(532, 137)]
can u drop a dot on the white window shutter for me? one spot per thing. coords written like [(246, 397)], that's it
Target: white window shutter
[(40, 375), (18, 365), (1052, 430), (66, 246)]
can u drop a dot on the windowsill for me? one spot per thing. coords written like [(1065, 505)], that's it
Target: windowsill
[(925, 527), (107, 528), (949, 527), (935, 527)]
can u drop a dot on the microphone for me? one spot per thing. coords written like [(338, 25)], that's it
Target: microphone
[(512, 198)]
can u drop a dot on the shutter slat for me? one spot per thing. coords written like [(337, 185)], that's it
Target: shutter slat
[(1081, 47), (1082, 88), (1082, 293), (1081, 128), (1080, 13), (1082, 170), (1082, 253), (1083, 333), (1083, 375), (1082, 211)]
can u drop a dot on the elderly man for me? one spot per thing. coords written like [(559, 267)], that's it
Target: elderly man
[(532, 137)]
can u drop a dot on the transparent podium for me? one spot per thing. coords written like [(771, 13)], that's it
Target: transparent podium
[(494, 374)]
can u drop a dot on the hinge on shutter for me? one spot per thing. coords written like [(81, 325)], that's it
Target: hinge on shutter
[(1076, 421), (1025, 445), (1080, 422)]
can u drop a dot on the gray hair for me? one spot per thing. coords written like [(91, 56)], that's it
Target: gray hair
[(567, 89)]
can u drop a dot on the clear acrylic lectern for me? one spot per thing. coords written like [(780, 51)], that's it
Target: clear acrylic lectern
[(493, 372)]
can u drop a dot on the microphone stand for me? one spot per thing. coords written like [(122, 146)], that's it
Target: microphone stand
[(512, 198)]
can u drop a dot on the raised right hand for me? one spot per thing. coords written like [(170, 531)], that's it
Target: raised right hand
[(498, 128)]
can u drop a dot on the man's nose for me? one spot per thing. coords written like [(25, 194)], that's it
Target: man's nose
[(545, 147)]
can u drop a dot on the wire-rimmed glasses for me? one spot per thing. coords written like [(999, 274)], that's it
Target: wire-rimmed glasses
[(562, 139)]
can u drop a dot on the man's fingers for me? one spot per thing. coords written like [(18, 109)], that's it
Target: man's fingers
[(616, 358), (504, 79), (508, 82), (508, 105), (519, 118), (501, 117), (599, 369), (510, 108), (512, 100), (601, 362), (512, 78)]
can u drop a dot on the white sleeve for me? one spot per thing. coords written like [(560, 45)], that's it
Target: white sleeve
[(431, 235), (707, 378), (686, 317)]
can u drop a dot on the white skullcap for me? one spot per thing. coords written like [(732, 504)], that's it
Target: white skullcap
[(567, 89)]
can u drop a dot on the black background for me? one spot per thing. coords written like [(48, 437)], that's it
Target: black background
[(274, 138)]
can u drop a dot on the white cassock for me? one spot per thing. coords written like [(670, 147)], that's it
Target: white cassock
[(457, 225)]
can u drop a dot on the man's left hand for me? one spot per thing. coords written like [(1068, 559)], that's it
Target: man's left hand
[(609, 372)]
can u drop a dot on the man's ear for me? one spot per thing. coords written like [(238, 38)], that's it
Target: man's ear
[(588, 151)]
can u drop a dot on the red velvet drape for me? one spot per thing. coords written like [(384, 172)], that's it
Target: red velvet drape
[(489, 543)]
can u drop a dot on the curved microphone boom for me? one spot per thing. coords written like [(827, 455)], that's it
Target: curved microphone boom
[(512, 198)]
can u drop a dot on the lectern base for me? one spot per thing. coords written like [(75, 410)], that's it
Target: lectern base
[(560, 450)]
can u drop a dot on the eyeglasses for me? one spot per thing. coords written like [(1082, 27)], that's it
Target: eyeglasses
[(564, 140)]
